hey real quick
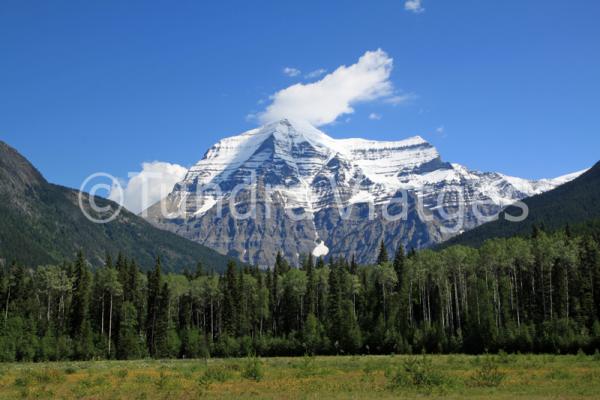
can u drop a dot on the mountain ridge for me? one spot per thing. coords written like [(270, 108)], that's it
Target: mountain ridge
[(41, 223), (574, 202), (289, 167)]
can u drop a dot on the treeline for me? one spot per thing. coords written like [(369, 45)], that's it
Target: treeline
[(538, 294)]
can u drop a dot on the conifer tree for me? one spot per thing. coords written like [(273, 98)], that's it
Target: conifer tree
[(164, 346), (399, 261), (353, 265), (382, 258), (230, 300), (81, 330), (309, 298), (153, 306), (81, 296)]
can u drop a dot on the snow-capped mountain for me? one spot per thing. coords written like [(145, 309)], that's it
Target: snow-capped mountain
[(288, 186)]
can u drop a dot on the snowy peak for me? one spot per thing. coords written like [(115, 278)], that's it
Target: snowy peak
[(297, 169), (302, 163), (305, 149)]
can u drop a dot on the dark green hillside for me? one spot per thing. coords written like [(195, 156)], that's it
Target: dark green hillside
[(41, 223), (574, 203)]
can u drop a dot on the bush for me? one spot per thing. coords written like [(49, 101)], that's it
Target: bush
[(253, 369), (227, 346), (558, 374), (216, 374), (505, 358), (416, 372), (488, 375), (307, 366), (203, 384), (70, 370)]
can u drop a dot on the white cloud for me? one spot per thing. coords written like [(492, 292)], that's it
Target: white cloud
[(316, 73), (441, 131), (290, 71), (415, 6), (400, 99), (152, 184), (375, 116), (323, 101)]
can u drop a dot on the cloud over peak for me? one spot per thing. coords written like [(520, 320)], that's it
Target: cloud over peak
[(323, 101), (153, 183)]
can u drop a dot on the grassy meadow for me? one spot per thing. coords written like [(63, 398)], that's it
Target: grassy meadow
[(342, 377)]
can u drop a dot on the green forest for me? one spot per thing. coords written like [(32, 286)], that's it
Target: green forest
[(535, 294)]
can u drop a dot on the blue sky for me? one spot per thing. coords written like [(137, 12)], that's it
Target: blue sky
[(106, 85)]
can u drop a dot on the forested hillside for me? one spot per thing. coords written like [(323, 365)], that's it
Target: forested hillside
[(41, 223), (574, 203), (535, 294)]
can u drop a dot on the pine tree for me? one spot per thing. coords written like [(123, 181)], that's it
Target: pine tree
[(164, 343), (230, 300), (592, 261), (399, 261), (382, 258), (353, 265), (130, 346), (320, 263), (81, 330), (81, 296), (281, 265), (153, 308), (309, 298)]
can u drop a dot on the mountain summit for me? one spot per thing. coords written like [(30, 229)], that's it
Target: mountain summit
[(301, 191)]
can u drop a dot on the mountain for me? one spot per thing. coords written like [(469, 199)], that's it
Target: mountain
[(342, 188), (41, 223), (576, 202)]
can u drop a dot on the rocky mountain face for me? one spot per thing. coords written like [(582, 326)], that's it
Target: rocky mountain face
[(288, 186)]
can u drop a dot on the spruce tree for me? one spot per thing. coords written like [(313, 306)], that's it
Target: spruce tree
[(382, 258), (353, 265), (81, 329), (309, 298), (164, 345), (153, 306), (230, 299), (399, 261)]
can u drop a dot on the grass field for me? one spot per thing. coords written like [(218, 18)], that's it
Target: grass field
[(344, 377)]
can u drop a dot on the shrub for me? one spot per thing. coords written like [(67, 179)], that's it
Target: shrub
[(253, 369), (216, 374), (307, 366), (162, 381), (558, 374), (505, 358), (22, 381), (70, 370), (488, 375), (122, 373), (416, 372), (203, 383), (47, 376)]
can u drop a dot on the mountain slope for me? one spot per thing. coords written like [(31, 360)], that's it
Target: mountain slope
[(313, 193), (41, 223), (575, 202)]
